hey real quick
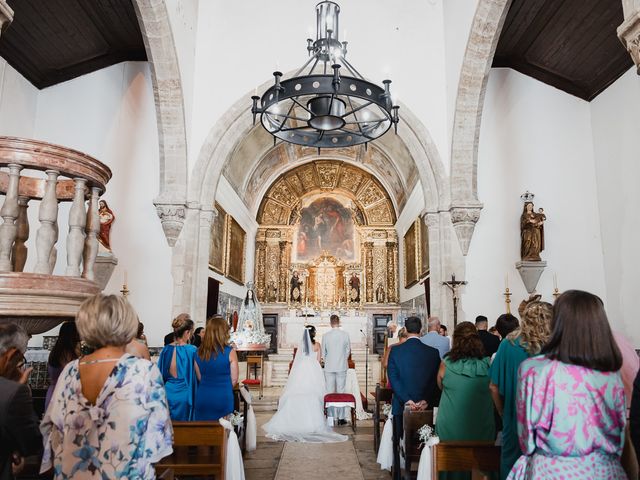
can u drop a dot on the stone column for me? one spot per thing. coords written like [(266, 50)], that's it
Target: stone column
[(629, 31), (19, 253), (368, 259), (9, 213), (77, 222), (91, 240), (6, 15), (48, 232)]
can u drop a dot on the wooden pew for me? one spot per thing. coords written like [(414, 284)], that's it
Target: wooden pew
[(199, 449), (454, 456), (412, 422), (382, 396)]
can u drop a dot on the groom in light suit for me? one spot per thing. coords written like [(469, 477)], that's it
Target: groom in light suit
[(336, 348)]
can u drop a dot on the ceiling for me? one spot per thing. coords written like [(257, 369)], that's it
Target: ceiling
[(52, 41), (569, 44)]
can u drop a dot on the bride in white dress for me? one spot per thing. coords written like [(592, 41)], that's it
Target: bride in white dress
[(300, 415)]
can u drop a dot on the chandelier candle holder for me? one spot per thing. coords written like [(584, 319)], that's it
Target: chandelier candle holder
[(319, 106)]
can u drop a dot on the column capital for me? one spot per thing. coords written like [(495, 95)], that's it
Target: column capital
[(6, 15), (464, 219)]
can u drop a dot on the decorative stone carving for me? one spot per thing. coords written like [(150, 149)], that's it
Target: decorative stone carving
[(103, 269), (6, 15), (629, 35), (20, 250), (77, 222), (172, 217), (464, 219), (9, 213), (530, 273)]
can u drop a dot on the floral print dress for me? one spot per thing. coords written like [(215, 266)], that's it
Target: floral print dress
[(571, 422), (121, 436)]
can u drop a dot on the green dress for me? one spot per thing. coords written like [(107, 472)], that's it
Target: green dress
[(466, 408), (504, 374)]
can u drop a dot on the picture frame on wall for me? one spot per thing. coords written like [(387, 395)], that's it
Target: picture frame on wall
[(423, 249), (218, 241), (235, 258), (411, 256)]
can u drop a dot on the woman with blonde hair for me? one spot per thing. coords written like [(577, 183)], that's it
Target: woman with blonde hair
[(177, 364), (218, 366), (108, 416), (522, 343)]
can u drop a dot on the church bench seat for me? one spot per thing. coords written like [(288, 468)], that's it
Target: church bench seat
[(453, 456), (199, 449)]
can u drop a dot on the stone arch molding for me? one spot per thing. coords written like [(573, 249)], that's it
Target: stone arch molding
[(167, 90), (191, 252), (481, 46)]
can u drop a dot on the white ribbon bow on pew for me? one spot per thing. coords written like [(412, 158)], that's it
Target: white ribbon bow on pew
[(234, 467), (385, 450), (252, 429), (424, 467)]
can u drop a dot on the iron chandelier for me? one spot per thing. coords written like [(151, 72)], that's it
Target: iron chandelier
[(322, 108)]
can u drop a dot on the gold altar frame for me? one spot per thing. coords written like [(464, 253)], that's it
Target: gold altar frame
[(218, 241), (235, 254), (410, 257)]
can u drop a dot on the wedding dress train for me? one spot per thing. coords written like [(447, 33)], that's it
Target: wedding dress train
[(300, 415)]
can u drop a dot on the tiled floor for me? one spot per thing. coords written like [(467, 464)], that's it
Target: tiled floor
[(263, 463)]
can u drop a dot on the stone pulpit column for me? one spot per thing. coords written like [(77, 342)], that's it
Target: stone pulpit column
[(6, 15), (629, 31)]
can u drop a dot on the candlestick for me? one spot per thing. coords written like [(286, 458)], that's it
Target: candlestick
[(556, 293), (125, 291), (507, 299)]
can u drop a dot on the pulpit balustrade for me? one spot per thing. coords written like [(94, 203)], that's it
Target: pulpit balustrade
[(40, 300)]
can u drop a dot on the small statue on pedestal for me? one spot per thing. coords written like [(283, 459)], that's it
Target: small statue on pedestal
[(380, 294), (106, 219), (531, 230), (295, 293), (354, 288)]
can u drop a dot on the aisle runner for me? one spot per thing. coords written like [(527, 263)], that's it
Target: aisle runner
[(319, 461)]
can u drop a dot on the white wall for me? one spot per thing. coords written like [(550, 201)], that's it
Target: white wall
[(18, 102), (110, 114), (616, 129), (537, 138), (240, 44)]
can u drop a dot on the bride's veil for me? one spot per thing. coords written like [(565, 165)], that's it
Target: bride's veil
[(306, 374)]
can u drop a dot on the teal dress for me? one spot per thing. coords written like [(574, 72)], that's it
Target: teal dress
[(504, 374), (466, 408), (181, 389)]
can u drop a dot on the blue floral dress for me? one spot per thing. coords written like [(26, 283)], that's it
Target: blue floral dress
[(121, 436)]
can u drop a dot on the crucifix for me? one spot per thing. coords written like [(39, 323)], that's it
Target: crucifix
[(454, 284)]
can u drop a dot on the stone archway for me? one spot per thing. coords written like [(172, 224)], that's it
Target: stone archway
[(167, 90), (481, 46), (191, 252)]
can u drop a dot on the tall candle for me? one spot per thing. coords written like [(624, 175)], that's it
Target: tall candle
[(506, 281), (125, 278), (555, 281)]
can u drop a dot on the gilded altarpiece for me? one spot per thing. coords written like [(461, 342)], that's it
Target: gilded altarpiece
[(326, 238)]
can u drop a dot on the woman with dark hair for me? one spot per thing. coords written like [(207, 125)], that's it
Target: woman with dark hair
[(218, 366), (522, 343), (138, 346), (570, 402), (198, 335), (317, 348), (464, 380), (177, 364), (66, 349)]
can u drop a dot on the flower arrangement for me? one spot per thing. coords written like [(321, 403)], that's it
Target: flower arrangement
[(236, 419), (427, 436), (249, 337), (386, 409)]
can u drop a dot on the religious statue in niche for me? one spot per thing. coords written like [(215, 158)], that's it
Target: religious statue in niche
[(272, 292), (531, 230), (106, 217), (380, 293), (354, 288), (295, 290), (250, 329), (325, 225)]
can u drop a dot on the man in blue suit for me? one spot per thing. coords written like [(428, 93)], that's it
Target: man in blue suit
[(412, 371)]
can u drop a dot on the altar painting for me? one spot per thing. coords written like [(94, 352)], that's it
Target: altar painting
[(325, 225)]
